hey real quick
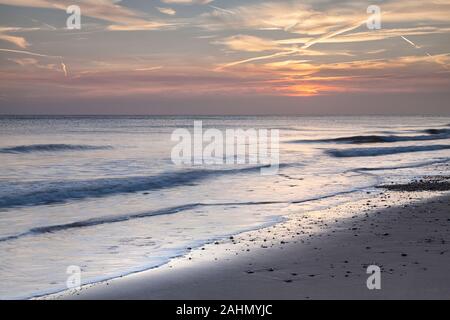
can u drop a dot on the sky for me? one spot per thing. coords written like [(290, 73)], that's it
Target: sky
[(221, 57)]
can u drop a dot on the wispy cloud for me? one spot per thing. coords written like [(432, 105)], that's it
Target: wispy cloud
[(64, 69), (333, 25), (382, 34), (29, 53), (21, 42), (249, 43), (33, 62), (141, 26), (293, 17), (438, 58), (30, 64), (227, 11), (123, 18), (168, 11), (149, 68), (270, 56), (275, 48), (292, 51), (187, 2)]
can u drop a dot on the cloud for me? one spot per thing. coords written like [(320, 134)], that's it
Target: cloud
[(293, 17), (168, 11), (248, 43), (436, 11), (29, 53), (293, 50), (122, 17), (288, 78), (29, 64), (311, 22), (318, 48), (131, 83), (141, 27), (64, 69), (18, 41), (107, 10), (332, 34), (309, 78), (149, 68), (329, 24), (222, 9), (284, 78), (373, 36), (270, 56), (315, 18), (187, 2)]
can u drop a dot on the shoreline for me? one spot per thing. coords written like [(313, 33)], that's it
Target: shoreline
[(316, 255), (276, 219)]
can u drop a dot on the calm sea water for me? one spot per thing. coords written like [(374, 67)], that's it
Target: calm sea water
[(103, 193)]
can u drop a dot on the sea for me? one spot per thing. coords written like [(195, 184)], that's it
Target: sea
[(103, 194)]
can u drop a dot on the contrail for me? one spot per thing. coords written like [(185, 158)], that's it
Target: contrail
[(45, 24), (333, 34), (411, 43), (149, 68), (63, 66), (278, 54), (64, 69), (30, 53), (223, 10), (436, 60), (294, 51)]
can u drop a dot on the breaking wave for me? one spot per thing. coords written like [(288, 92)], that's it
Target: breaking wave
[(438, 135), (374, 152), (45, 193), (50, 148)]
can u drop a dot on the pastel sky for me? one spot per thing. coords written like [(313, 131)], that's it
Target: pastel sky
[(225, 57)]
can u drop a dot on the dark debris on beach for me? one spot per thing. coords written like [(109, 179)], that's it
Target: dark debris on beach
[(428, 183)]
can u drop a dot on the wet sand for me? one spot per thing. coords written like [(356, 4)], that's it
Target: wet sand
[(319, 255)]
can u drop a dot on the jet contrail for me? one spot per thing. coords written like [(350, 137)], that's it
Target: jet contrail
[(149, 69), (63, 66), (30, 53), (333, 34), (223, 10), (411, 43), (277, 54), (45, 24), (294, 51), (436, 60), (64, 69)]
